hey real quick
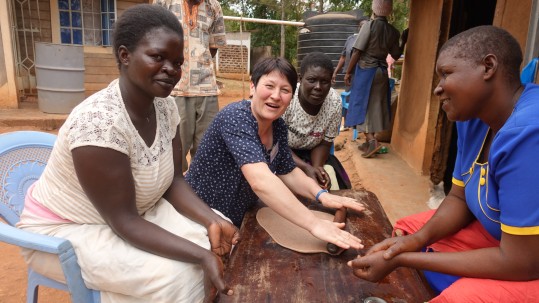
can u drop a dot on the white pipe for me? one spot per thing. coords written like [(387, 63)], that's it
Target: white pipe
[(256, 20)]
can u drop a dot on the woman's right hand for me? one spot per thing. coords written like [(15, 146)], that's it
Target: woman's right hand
[(319, 175), (373, 267), (322, 177), (397, 245), (214, 283), (223, 236), (333, 232), (347, 79)]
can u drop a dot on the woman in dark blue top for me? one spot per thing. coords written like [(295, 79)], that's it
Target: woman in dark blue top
[(486, 231), (244, 156)]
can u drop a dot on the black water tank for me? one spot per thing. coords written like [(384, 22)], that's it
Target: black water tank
[(327, 33)]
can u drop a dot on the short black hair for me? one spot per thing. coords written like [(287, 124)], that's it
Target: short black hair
[(137, 21), (474, 44), (270, 64), (316, 59)]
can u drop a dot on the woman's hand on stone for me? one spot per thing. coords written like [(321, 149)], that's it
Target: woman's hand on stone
[(336, 202), (333, 232)]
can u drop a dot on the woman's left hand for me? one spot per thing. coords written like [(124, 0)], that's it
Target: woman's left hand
[(373, 267), (214, 283), (223, 235), (336, 202)]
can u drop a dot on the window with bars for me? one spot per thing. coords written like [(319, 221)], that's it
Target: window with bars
[(86, 22)]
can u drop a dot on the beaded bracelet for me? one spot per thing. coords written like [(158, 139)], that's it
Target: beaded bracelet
[(319, 193)]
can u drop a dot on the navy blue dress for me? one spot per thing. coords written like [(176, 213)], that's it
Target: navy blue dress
[(230, 142)]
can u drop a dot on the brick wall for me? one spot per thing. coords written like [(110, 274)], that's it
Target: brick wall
[(230, 59)]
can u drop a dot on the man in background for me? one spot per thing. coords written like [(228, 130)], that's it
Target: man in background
[(344, 59), (196, 93), (369, 106)]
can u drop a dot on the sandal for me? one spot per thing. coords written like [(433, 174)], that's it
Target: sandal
[(363, 147), (374, 147)]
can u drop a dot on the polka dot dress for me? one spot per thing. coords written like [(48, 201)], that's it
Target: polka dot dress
[(230, 142)]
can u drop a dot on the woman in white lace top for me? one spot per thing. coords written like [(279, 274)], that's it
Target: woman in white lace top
[(114, 186), (313, 119)]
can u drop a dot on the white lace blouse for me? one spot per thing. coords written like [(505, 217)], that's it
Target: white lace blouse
[(306, 131), (102, 120)]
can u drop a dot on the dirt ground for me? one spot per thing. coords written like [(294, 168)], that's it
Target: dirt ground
[(13, 268)]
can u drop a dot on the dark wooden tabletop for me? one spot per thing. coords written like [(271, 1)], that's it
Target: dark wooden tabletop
[(260, 270)]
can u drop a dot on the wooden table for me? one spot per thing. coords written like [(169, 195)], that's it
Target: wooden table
[(260, 270)]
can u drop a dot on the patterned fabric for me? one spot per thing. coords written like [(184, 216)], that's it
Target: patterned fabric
[(102, 120), (306, 131), (198, 72), (502, 193), (230, 142)]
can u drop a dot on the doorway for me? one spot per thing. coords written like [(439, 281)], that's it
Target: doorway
[(465, 15)]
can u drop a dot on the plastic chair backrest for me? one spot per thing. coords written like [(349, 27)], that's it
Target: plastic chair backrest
[(23, 156), (529, 71), (344, 99), (345, 104)]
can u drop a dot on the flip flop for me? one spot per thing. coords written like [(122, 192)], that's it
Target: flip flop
[(373, 149), (363, 147)]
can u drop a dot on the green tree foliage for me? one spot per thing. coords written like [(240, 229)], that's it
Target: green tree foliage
[(267, 34), (342, 5), (270, 34)]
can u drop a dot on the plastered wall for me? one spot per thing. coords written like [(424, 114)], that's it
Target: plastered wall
[(8, 90), (415, 126), (411, 128)]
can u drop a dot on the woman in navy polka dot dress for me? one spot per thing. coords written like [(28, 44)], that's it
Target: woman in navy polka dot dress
[(244, 156)]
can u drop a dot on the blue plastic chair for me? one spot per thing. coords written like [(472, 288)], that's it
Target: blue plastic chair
[(23, 156), (344, 100), (529, 71)]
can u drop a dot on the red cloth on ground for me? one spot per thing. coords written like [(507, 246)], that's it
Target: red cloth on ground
[(472, 290)]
